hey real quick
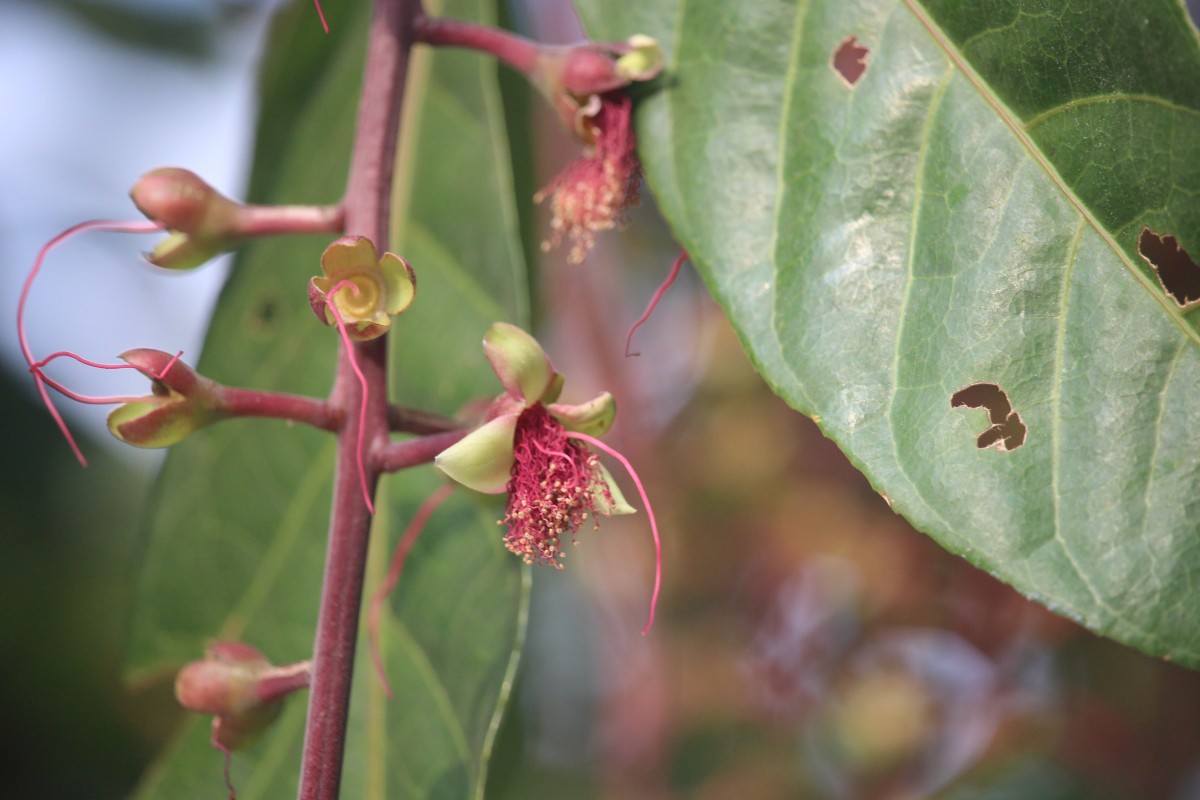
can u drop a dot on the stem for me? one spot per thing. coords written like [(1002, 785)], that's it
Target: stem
[(275, 405), (271, 220), (366, 208), (395, 456), (518, 52), (402, 419)]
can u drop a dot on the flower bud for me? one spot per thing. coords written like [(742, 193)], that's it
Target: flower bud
[(201, 222), (240, 687), (181, 401)]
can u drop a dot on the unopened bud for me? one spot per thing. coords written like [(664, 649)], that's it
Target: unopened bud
[(240, 687), (181, 401), (201, 222)]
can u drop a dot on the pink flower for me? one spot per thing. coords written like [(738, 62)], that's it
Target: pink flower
[(526, 448)]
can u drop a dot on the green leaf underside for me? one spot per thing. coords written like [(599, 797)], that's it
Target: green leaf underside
[(237, 534), (967, 212)]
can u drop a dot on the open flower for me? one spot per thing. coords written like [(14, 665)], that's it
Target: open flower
[(379, 287), (526, 448), (587, 85)]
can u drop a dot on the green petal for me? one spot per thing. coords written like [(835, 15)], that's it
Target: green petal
[(593, 418), (618, 505), (643, 62), (520, 363), (400, 281), (483, 459), (155, 421), (348, 255)]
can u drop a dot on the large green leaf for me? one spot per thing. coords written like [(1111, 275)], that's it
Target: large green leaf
[(237, 536), (968, 211)]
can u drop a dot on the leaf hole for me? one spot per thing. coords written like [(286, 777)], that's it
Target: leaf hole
[(850, 60), (1175, 268), (1007, 430)]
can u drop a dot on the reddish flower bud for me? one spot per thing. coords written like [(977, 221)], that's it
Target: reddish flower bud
[(181, 401), (201, 222), (236, 683)]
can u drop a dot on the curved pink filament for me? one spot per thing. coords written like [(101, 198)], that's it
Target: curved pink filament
[(362, 381), (321, 14), (599, 445), (40, 381), (403, 548), (654, 301), (36, 368)]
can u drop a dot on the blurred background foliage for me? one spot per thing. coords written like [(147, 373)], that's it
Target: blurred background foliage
[(810, 643)]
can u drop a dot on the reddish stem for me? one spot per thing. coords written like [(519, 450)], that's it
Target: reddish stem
[(402, 419), (274, 405), (272, 220), (518, 52), (366, 207), (395, 456)]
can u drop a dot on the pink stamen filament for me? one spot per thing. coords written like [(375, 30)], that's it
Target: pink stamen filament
[(362, 381), (403, 548), (321, 14), (599, 445), (218, 745), (40, 380), (654, 301), (37, 369)]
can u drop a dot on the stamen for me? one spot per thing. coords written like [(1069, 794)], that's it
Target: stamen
[(321, 14), (362, 381), (599, 445), (654, 300), (37, 369), (217, 744), (40, 381), (403, 547)]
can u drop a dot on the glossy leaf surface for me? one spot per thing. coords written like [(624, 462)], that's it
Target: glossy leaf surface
[(967, 211), (237, 536)]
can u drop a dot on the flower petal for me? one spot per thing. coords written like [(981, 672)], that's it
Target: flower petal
[(520, 363), (483, 459), (593, 418), (348, 255), (618, 505), (400, 281)]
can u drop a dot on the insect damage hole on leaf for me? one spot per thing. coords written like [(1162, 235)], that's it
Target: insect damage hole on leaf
[(850, 60), (1176, 270), (1007, 431)]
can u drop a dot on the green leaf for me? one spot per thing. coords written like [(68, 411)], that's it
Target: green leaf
[(237, 535), (967, 212)]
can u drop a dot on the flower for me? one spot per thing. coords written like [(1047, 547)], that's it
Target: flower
[(181, 401), (531, 447), (200, 221), (593, 192), (241, 689), (586, 85), (378, 288)]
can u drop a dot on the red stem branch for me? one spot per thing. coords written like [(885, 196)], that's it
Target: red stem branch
[(366, 208), (395, 456), (518, 52), (274, 405), (271, 220)]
